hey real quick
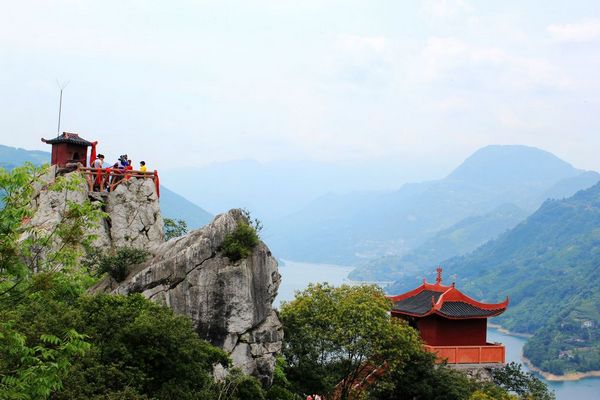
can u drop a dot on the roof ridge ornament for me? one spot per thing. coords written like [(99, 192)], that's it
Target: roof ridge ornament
[(438, 279)]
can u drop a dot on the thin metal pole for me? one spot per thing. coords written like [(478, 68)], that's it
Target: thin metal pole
[(61, 87), (59, 112)]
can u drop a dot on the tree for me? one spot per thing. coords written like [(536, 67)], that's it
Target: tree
[(335, 336), (174, 228), (32, 261), (525, 384), (27, 250), (35, 372)]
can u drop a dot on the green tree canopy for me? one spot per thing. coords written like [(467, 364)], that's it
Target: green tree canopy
[(334, 336)]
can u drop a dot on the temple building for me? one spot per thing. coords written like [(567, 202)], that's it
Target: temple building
[(69, 148), (452, 325)]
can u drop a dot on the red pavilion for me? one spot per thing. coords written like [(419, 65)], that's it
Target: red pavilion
[(451, 324), (69, 148)]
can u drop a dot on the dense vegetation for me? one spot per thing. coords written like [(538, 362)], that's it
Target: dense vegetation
[(548, 265)]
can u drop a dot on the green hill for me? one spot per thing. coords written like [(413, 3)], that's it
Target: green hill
[(11, 157), (549, 267), (459, 239), (172, 205)]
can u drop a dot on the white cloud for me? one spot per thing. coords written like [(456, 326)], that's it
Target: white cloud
[(444, 58), (445, 8), (584, 31)]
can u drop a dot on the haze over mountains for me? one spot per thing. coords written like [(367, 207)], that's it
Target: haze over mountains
[(461, 238), (359, 226)]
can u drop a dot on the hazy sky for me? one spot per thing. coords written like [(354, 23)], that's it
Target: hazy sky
[(191, 82)]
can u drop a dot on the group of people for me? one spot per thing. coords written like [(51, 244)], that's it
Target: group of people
[(113, 174), (124, 163)]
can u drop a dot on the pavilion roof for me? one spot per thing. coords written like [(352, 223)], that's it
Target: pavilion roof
[(446, 301), (67, 137)]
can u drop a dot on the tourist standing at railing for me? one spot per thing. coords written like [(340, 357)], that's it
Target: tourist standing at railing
[(143, 167), (123, 162), (98, 163)]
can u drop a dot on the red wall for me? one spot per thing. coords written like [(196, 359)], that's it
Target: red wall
[(62, 153), (438, 331)]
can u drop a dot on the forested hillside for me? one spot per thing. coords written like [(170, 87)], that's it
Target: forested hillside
[(460, 238), (549, 266)]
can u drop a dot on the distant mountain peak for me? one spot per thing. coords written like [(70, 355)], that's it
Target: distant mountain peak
[(507, 163)]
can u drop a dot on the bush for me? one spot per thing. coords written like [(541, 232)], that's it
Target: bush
[(119, 265), (174, 228), (240, 243)]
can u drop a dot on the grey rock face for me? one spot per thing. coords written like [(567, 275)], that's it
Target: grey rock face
[(133, 210), (229, 303), (134, 215)]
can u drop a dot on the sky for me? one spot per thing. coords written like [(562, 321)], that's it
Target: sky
[(188, 83)]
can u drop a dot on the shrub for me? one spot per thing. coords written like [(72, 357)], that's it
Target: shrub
[(174, 228), (240, 243), (119, 265)]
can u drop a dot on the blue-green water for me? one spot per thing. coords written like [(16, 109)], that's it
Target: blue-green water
[(584, 389), (296, 276)]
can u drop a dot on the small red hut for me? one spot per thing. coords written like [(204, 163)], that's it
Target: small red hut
[(69, 148), (451, 324)]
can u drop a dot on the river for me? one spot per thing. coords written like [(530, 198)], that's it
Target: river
[(297, 275)]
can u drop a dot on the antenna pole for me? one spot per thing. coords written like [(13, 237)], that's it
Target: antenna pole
[(61, 87)]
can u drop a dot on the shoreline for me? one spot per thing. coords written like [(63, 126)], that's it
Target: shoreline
[(499, 328), (568, 377)]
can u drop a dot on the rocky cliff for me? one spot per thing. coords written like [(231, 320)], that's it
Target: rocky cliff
[(230, 303)]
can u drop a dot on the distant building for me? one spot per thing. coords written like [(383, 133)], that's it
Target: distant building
[(452, 325), (69, 148)]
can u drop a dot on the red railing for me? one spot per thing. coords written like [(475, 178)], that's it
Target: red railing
[(489, 354), (102, 179)]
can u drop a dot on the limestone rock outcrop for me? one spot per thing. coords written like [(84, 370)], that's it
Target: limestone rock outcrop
[(230, 303), (134, 215)]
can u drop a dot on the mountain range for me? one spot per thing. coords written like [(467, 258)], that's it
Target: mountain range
[(461, 238), (354, 227)]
